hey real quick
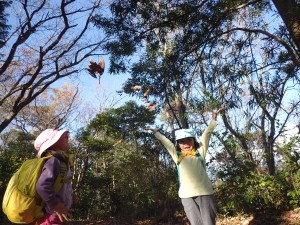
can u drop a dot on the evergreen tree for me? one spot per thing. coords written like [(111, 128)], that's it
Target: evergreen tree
[(3, 22)]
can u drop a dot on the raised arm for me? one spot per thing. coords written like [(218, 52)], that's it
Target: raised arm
[(166, 142), (216, 113), (205, 137)]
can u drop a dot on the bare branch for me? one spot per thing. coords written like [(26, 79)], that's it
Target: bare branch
[(50, 45)]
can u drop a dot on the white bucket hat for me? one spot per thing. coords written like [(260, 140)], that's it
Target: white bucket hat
[(184, 133), (46, 139)]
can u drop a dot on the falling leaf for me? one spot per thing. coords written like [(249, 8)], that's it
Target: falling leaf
[(147, 92), (94, 68), (101, 65), (136, 88), (152, 106)]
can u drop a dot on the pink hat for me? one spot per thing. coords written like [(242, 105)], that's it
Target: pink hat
[(46, 139)]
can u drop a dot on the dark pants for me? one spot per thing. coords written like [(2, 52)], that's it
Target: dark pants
[(200, 210)]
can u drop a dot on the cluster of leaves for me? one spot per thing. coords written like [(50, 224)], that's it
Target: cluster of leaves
[(123, 175), (251, 193), (291, 159), (197, 56), (248, 191)]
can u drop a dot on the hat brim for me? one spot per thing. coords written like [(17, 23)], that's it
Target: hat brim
[(51, 142)]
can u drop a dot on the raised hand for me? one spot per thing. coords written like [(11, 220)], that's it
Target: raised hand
[(216, 113), (152, 129)]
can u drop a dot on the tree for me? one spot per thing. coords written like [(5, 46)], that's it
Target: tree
[(113, 148), (54, 108), (3, 21), (290, 14), (48, 41), (126, 122), (209, 54)]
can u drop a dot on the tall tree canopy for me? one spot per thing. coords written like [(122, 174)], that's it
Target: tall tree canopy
[(196, 56)]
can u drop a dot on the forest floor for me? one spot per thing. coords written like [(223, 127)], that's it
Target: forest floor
[(259, 218)]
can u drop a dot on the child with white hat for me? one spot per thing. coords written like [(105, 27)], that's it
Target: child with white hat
[(195, 188)]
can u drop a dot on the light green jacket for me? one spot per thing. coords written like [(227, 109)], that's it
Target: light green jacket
[(194, 180)]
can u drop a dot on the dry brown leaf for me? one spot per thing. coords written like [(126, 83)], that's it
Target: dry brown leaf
[(137, 88), (152, 107), (147, 92), (101, 65)]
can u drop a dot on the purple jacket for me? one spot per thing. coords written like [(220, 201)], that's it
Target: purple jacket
[(44, 186)]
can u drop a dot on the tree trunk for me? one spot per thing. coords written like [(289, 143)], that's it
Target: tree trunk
[(180, 108), (289, 11), (270, 160)]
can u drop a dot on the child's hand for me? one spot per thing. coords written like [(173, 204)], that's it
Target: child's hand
[(62, 212), (216, 113), (152, 129)]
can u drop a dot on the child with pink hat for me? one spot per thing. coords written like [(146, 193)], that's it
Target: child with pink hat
[(57, 204)]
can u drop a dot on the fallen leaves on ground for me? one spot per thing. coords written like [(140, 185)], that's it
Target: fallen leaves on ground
[(261, 218)]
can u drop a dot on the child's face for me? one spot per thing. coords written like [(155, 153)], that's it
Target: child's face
[(186, 144), (63, 143)]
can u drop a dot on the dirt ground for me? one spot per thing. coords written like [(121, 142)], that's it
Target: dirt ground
[(260, 218)]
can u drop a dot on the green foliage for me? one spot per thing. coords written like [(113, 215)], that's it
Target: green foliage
[(92, 202), (4, 27), (294, 193), (127, 185), (252, 192), (291, 169), (135, 177), (126, 121), (245, 190), (12, 155), (123, 175)]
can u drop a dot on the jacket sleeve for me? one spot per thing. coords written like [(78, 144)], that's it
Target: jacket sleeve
[(204, 142), (168, 145), (44, 186)]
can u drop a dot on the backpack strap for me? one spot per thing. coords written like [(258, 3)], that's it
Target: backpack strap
[(178, 162), (201, 159), (62, 177), (177, 165), (59, 181)]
